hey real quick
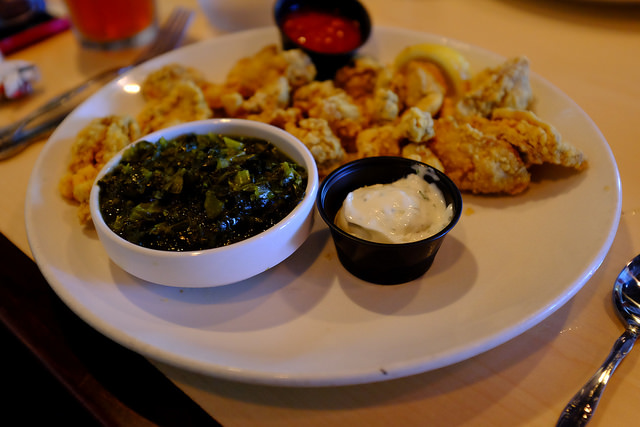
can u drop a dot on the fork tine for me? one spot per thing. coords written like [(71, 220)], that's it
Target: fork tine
[(169, 35)]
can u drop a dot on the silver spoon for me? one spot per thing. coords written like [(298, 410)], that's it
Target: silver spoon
[(626, 298)]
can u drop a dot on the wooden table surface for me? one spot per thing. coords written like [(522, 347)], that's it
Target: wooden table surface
[(590, 50)]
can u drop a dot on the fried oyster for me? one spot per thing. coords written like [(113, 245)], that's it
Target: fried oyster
[(481, 131), (94, 146)]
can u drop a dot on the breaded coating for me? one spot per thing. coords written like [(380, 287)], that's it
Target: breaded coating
[(336, 107), (504, 86), (378, 141), (279, 117), (340, 112), (382, 107), (249, 74), (537, 141), (159, 83), (432, 103), (255, 75), (231, 103), (185, 103), (359, 79), (384, 79), (300, 69), (324, 145), (415, 125), (213, 93), (477, 162), (325, 101), (414, 82), (422, 153), (481, 131), (273, 95), (307, 96), (94, 145)]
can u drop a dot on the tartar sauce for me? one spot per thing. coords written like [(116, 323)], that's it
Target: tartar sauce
[(406, 210)]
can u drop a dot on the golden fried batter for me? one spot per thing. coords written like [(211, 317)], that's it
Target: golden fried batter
[(307, 96), (249, 74), (378, 141), (415, 125), (184, 103), (382, 107), (504, 86), (422, 153), (324, 145), (413, 83), (484, 138), (300, 69), (158, 84), (477, 162), (98, 142), (272, 96), (537, 141), (325, 101), (359, 79)]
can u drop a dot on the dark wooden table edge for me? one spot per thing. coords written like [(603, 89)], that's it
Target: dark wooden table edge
[(113, 384)]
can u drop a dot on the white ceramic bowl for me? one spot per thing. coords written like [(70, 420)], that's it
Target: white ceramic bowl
[(227, 264)]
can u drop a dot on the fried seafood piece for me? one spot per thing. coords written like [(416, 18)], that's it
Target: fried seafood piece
[(94, 145), (250, 73), (382, 107), (378, 141), (478, 162), (254, 75), (323, 100), (432, 103), (385, 77), (213, 94), (537, 141), (507, 86), (271, 96), (279, 117), (422, 153), (415, 125), (184, 103), (300, 70), (307, 96), (159, 83), (359, 79), (325, 147), (342, 115), (416, 86)]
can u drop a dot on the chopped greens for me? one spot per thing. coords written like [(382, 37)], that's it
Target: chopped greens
[(198, 192)]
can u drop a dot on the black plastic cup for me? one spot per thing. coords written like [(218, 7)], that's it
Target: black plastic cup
[(383, 263), (326, 63)]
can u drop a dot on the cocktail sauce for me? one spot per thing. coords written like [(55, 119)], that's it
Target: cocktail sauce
[(322, 32)]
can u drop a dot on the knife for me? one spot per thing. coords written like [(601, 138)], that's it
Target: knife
[(15, 137)]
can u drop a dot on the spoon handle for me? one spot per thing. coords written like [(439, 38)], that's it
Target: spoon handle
[(579, 410)]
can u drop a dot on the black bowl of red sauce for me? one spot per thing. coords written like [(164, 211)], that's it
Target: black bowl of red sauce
[(329, 31)]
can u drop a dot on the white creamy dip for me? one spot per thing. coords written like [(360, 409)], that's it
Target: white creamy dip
[(406, 210)]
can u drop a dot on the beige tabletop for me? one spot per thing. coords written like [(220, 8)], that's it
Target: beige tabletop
[(587, 49)]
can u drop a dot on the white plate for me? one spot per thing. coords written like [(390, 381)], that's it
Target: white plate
[(508, 264)]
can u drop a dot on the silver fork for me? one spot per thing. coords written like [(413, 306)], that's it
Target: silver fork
[(15, 137)]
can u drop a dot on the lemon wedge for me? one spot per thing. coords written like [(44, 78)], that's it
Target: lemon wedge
[(453, 65)]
